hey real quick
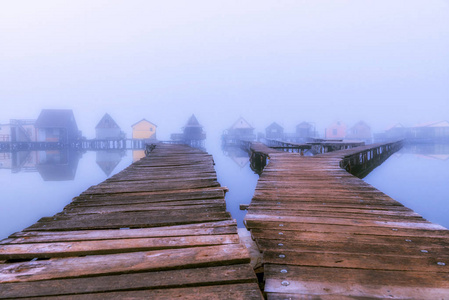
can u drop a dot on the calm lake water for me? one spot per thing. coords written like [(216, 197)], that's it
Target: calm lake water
[(40, 184), (418, 177)]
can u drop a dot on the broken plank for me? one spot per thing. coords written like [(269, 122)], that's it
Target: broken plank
[(124, 263)]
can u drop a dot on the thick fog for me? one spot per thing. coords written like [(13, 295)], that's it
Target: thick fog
[(286, 61)]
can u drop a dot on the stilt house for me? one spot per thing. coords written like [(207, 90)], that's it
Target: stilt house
[(57, 125), (274, 131), (108, 129)]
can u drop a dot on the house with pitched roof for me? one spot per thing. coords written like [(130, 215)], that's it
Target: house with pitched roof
[(274, 131), (360, 132), (336, 130), (57, 125), (108, 129), (240, 130), (432, 131), (144, 130), (194, 130), (192, 134), (305, 130)]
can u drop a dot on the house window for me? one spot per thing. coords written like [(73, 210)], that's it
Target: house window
[(334, 131)]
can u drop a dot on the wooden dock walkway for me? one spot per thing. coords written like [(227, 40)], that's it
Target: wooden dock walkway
[(326, 234), (157, 230)]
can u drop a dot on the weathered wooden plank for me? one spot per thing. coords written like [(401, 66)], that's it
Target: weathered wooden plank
[(148, 187), (348, 229), (150, 197), (305, 204), (73, 206), (119, 220), (244, 291), (147, 280), (355, 245), (222, 227), (141, 178), (140, 207), (124, 263), (283, 296), (67, 249), (343, 221), (295, 236), (360, 261), (341, 213), (355, 282)]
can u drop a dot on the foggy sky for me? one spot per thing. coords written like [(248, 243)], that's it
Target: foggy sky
[(286, 61)]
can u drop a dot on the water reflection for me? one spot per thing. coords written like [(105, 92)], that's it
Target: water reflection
[(418, 177), (435, 151), (40, 183), (109, 159), (233, 171), (237, 155), (57, 165), (36, 184)]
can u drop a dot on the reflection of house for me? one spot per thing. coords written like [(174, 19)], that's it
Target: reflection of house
[(435, 131), (428, 150), (107, 129), (240, 130), (144, 130), (274, 131), (360, 131), (138, 155), (336, 130), (5, 160), (108, 160), (305, 130), (57, 125), (18, 161), (18, 131), (237, 154), (57, 165)]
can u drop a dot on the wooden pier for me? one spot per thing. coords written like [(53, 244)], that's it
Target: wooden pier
[(157, 230), (326, 234)]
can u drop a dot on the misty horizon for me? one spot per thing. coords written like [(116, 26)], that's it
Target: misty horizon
[(283, 61)]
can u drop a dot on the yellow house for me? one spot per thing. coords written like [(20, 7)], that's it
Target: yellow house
[(144, 130)]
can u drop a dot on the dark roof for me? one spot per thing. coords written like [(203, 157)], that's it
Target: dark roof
[(193, 122), (56, 118), (241, 124), (360, 123), (141, 121), (107, 122), (275, 125), (304, 125)]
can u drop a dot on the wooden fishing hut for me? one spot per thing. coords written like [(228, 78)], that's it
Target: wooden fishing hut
[(108, 129), (57, 125), (274, 131), (241, 130)]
